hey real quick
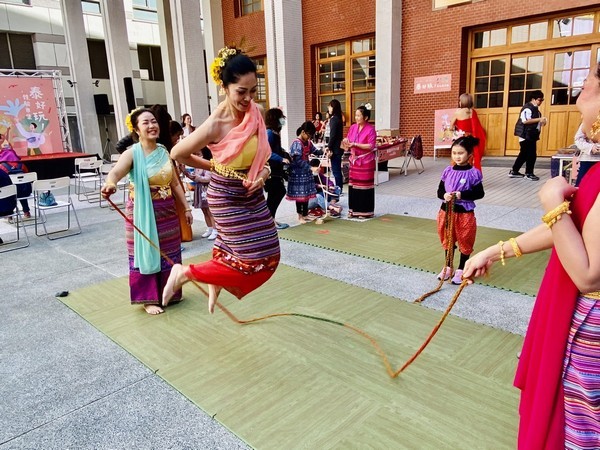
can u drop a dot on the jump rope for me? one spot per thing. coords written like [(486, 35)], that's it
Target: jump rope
[(449, 229)]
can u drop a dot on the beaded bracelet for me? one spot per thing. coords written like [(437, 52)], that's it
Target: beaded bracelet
[(551, 217), (515, 247), (501, 244)]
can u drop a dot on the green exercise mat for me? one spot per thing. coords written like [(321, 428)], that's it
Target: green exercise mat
[(292, 382), (413, 242)]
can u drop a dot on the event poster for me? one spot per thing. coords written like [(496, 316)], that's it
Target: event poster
[(29, 116), (443, 135)]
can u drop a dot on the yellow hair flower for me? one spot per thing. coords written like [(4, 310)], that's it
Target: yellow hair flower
[(128, 123), (219, 62)]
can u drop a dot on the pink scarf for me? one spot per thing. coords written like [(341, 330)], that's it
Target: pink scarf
[(539, 375), (232, 144)]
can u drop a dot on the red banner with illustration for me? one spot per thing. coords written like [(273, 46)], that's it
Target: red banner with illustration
[(29, 120)]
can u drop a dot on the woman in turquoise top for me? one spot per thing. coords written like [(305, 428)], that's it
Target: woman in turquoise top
[(154, 189)]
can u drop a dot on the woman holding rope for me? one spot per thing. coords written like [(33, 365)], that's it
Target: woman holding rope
[(153, 191), (361, 142), (246, 251), (559, 368)]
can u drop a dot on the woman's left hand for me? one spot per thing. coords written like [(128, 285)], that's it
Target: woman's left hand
[(255, 185), (555, 191), (189, 218)]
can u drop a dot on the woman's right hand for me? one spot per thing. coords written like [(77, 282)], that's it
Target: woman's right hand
[(108, 189), (480, 263), (555, 191)]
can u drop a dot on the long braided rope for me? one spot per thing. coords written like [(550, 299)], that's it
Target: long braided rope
[(449, 231), (391, 372)]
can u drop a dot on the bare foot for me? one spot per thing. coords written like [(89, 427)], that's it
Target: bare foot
[(176, 279), (153, 310), (213, 295)]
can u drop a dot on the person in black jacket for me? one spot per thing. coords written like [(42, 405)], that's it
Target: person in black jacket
[(336, 134), (528, 129), (274, 186)]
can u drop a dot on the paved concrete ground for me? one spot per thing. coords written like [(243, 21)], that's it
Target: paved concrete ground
[(66, 385)]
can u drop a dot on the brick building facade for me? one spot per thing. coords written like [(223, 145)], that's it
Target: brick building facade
[(433, 42)]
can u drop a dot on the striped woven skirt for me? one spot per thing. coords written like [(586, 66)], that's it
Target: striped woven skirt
[(147, 289), (581, 379), (246, 251), (361, 190)]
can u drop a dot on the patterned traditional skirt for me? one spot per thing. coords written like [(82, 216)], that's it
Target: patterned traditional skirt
[(361, 190), (465, 230), (301, 184), (147, 289), (581, 377), (246, 251)]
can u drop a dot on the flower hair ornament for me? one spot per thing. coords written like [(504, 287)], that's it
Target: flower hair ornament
[(128, 123), (224, 55), (368, 106)]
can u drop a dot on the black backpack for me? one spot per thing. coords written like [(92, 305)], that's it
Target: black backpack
[(416, 147)]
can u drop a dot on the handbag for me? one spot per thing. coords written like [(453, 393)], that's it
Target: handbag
[(47, 199), (186, 228)]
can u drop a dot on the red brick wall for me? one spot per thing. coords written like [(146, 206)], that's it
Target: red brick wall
[(432, 43), (250, 27), (330, 21)]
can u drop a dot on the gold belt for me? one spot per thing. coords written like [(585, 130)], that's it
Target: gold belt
[(227, 171), (157, 192), (592, 295)]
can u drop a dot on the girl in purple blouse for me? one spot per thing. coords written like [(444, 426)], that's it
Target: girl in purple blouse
[(463, 182)]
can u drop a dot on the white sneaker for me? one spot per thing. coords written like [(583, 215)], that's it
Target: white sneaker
[(213, 235), (207, 233)]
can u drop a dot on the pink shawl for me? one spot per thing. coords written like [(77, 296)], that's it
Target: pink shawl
[(232, 144), (539, 375)]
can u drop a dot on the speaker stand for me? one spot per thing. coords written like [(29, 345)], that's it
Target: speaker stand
[(108, 149)]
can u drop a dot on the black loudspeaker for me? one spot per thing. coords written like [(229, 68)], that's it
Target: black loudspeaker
[(129, 95), (101, 102)]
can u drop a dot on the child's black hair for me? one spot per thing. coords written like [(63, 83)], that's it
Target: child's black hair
[(466, 142), (315, 162), (308, 127)]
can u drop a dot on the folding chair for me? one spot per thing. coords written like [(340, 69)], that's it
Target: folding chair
[(21, 179), (40, 216), (13, 244), (415, 153), (122, 185), (90, 175), (79, 176)]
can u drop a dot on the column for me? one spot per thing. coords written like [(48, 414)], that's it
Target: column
[(167, 50), (81, 75), (214, 39), (188, 49), (119, 57), (388, 30), (285, 63)]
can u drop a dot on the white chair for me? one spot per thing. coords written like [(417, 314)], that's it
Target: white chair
[(24, 178), (41, 216), (90, 175), (122, 185), (16, 215), (114, 157), (79, 176)]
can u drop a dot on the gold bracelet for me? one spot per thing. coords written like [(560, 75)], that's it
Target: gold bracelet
[(268, 167), (551, 217), (501, 244), (515, 247), (188, 209)]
